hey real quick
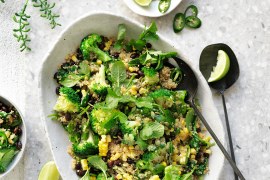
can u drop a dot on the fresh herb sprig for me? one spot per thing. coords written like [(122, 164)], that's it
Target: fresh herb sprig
[(46, 11), (2, 1), (20, 33)]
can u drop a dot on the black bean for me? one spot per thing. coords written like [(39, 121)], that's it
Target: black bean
[(140, 73), (104, 158), (68, 116), (115, 54), (130, 161), (198, 130), (80, 172), (110, 164), (66, 64), (55, 76), (57, 90), (206, 155), (148, 45), (78, 166), (134, 55), (17, 131), (117, 162), (18, 145), (72, 63), (101, 46)]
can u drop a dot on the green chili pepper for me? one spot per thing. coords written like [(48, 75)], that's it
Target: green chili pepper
[(164, 5), (193, 22), (4, 140), (178, 22), (193, 9)]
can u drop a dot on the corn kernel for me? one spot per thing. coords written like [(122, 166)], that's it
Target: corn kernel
[(134, 87), (183, 160), (93, 178), (193, 151), (155, 177), (208, 151), (143, 91), (74, 58), (107, 45), (116, 156), (131, 69), (84, 164), (118, 176), (108, 138), (99, 62), (192, 156), (133, 92), (174, 163), (7, 133), (164, 163)]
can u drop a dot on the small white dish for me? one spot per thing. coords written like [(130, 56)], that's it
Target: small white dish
[(23, 138), (152, 9), (67, 43)]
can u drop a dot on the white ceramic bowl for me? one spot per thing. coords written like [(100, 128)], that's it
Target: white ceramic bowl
[(19, 156), (106, 24), (152, 10)]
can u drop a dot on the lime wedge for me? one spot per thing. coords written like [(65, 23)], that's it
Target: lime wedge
[(143, 2), (222, 67), (49, 172)]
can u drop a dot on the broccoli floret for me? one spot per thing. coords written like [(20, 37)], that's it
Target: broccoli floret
[(68, 101), (172, 172), (98, 84), (89, 142), (87, 147), (163, 97), (129, 127), (128, 139), (103, 120), (90, 44), (151, 76)]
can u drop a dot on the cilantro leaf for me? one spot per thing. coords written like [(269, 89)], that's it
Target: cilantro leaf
[(98, 163)]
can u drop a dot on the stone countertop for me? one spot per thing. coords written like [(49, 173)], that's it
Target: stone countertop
[(244, 25)]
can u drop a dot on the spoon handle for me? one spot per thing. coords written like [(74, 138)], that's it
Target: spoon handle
[(228, 130), (209, 129)]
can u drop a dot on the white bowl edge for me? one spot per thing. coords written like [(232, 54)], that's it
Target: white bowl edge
[(23, 138), (202, 83)]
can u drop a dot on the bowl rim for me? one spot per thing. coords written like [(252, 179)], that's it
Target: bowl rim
[(20, 155), (161, 37)]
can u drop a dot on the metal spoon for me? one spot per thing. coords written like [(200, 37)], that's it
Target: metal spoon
[(190, 84), (208, 60)]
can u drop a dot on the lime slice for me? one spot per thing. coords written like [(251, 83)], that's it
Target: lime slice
[(143, 2), (222, 67), (49, 172)]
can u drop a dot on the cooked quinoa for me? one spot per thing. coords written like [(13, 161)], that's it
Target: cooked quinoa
[(119, 103)]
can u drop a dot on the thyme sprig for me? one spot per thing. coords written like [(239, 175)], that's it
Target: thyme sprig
[(20, 33), (46, 11)]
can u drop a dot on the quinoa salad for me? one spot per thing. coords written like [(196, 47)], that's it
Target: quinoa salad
[(10, 133), (119, 104)]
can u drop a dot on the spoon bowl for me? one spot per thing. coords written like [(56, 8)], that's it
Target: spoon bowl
[(208, 60), (190, 84)]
